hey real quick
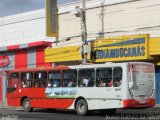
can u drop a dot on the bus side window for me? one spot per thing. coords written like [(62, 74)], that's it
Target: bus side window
[(40, 79), (13, 80), (54, 79), (26, 79), (69, 78), (117, 76), (86, 78), (104, 77)]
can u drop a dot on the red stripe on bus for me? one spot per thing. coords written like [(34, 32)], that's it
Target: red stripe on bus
[(52, 103), (37, 99), (131, 103)]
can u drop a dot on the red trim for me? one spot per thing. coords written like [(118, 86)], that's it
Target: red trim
[(40, 58), (131, 103), (21, 59), (41, 43), (33, 44), (13, 47)]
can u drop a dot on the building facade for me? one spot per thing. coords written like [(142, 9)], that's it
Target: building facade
[(105, 19)]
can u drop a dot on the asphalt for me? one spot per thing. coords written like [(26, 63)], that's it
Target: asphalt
[(20, 108), (42, 114)]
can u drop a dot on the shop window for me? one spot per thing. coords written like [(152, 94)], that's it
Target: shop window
[(69, 78), (86, 77), (104, 77)]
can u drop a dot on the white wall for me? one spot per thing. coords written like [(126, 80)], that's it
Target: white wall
[(23, 28), (121, 17)]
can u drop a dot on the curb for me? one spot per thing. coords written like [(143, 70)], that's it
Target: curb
[(12, 108), (157, 105)]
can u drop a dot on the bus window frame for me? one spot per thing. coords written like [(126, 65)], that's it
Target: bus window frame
[(78, 81), (118, 76), (73, 71), (45, 80), (25, 81), (59, 79), (9, 80), (111, 77)]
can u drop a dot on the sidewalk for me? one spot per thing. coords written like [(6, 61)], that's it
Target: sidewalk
[(9, 107), (157, 105)]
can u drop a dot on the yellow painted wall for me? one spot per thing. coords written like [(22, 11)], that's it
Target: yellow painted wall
[(71, 53), (100, 48), (154, 49), (154, 46)]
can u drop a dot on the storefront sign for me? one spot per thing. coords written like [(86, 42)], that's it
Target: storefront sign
[(121, 52), (4, 61)]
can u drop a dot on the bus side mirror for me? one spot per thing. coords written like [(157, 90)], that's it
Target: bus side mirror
[(131, 84)]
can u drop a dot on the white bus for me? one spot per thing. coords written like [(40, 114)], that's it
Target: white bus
[(104, 87)]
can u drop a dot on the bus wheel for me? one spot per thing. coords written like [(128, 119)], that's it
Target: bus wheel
[(81, 107), (26, 105)]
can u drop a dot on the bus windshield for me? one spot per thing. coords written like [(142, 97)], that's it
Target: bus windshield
[(143, 77), (142, 72)]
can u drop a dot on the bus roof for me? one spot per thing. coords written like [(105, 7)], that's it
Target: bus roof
[(61, 67)]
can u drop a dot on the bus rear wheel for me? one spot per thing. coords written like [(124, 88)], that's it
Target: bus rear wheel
[(26, 105), (81, 107)]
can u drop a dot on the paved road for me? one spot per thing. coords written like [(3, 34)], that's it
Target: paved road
[(40, 114)]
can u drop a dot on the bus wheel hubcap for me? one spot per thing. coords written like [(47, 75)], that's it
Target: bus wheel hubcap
[(26, 105), (81, 108)]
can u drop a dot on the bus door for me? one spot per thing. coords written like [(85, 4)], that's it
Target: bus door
[(12, 83), (141, 82)]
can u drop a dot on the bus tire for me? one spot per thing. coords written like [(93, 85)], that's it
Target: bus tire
[(26, 105), (81, 107)]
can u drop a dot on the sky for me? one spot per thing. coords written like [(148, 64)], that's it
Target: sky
[(11, 7)]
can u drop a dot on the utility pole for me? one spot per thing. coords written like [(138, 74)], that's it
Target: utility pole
[(4, 80), (83, 30), (102, 20)]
